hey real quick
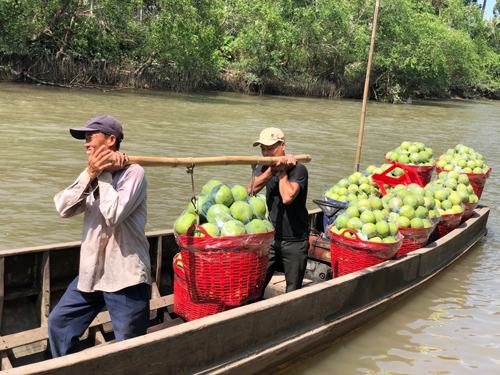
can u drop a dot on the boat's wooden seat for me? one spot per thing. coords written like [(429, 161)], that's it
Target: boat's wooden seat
[(35, 335)]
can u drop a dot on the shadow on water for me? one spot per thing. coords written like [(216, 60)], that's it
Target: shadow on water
[(446, 104)]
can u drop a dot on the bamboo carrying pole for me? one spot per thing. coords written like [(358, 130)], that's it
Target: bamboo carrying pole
[(365, 90), (159, 161)]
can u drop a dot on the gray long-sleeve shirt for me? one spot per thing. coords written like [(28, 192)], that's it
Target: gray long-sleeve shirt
[(114, 252)]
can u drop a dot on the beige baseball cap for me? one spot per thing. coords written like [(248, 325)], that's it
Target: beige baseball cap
[(269, 136)]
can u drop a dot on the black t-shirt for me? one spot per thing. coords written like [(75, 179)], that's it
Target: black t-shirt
[(290, 221)]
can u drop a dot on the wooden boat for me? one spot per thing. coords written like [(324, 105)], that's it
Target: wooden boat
[(248, 339)]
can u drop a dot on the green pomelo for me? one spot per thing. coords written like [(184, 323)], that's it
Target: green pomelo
[(404, 222), (383, 228), (232, 228), (241, 211), (429, 202), (258, 206), (352, 211), (375, 203), (379, 215), (341, 221), (210, 228), (457, 209), (427, 223), (375, 239), (407, 211), (183, 222), (207, 188), (367, 217), (446, 204), (353, 188), (477, 170), (416, 222), (354, 223), (354, 178), (369, 230), (410, 200), (389, 239), (343, 183), (222, 194), (256, 226), (268, 224), (393, 228), (218, 214), (421, 212), (239, 193), (455, 198), (363, 205), (395, 204), (473, 198), (451, 184), (463, 179)]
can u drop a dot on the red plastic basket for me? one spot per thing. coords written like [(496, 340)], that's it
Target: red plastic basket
[(469, 210), (412, 174), (448, 223), (229, 270), (184, 306), (477, 180), (353, 254), (413, 239)]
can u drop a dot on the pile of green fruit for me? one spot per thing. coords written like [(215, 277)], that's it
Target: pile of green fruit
[(462, 159), (225, 211), (415, 153), (368, 218), (372, 169), (411, 207), (450, 190), (354, 187)]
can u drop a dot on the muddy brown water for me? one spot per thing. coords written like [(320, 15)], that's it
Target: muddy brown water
[(450, 326)]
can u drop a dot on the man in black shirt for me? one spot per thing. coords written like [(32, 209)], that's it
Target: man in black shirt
[(286, 195)]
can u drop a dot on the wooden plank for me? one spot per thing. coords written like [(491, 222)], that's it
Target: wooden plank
[(2, 287), (5, 362), (159, 253), (38, 334), (45, 292)]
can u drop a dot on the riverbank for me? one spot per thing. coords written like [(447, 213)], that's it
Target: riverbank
[(108, 77)]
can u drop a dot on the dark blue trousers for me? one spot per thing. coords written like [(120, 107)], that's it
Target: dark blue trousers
[(128, 308)]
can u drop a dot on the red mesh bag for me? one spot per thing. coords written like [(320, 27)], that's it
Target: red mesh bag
[(413, 239), (412, 174), (469, 210), (477, 180), (353, 254), (184, 306), (448, 223), (228, 270)]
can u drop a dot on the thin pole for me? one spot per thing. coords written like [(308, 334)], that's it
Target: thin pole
[(367, 84), (484, 6), (159, 161)]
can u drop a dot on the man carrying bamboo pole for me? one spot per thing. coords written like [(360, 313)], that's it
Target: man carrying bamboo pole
[(115, 269), (286, 195)]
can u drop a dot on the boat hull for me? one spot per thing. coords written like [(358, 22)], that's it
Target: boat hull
[(260, 336)]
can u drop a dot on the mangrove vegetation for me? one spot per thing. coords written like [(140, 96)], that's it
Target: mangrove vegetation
[(424, 48)]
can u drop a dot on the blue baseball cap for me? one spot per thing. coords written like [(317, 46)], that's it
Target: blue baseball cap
[(105, 124)]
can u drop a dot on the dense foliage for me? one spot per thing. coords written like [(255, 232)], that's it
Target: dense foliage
[(425, 48)]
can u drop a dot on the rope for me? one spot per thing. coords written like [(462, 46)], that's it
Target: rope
[(194, 200), (253, 166)]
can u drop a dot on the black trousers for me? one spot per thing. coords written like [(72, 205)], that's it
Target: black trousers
[(289, 257)]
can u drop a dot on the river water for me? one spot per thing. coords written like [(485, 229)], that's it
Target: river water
[(450, 326)]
